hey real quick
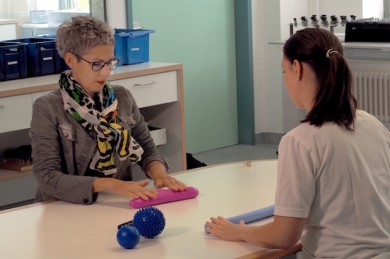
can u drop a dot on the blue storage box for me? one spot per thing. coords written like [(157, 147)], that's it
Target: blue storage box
[(64, 66), (42, 56), (132, 46), (13, 61)]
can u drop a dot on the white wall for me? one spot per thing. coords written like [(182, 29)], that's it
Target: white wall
[(274, 112), (344, 7), (289, 10), (360, 8), (372, 8), (266, 81), (116, 13)]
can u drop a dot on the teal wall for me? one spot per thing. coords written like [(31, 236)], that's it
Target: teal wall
[(200, 35), (245, 83)]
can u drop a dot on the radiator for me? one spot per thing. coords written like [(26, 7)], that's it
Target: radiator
[(372, 91)]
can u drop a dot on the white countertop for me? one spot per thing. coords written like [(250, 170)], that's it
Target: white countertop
[(50, 82)]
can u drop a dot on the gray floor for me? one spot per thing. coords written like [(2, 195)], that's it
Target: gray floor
[(238, 153)]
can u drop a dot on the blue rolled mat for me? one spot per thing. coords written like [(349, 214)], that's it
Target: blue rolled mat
[(252, 216)]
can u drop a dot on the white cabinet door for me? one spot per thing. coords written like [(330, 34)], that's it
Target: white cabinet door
[(152, 89), (15, 112), (8, 31)]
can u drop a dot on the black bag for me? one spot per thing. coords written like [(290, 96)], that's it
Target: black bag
[(192, 162)]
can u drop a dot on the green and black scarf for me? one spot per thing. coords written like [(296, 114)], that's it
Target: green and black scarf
[(112, 139)]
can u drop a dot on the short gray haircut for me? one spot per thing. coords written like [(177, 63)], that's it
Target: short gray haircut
[(82, 33)]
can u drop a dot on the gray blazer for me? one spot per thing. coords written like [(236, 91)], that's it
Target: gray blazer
[(62, 149)]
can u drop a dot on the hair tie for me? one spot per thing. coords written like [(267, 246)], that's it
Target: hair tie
[(329, 52)]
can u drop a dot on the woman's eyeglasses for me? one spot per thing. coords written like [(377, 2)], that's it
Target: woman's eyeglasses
[(98, 65)]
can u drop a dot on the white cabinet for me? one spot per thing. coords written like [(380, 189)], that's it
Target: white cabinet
[(8, 29), (15, 112), (157, 88), (152, 89)]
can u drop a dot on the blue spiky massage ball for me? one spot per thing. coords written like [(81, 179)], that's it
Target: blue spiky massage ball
[(149, 221)]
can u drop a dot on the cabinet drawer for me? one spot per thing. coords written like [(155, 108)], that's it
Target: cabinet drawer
[(15, 112), (152, 89)]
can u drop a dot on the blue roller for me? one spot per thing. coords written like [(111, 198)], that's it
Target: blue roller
[(253, 216)]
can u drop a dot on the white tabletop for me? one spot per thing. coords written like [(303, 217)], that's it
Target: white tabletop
[(65, 230)]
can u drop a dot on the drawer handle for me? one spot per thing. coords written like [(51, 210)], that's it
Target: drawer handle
[(2, 106), (146, 83)]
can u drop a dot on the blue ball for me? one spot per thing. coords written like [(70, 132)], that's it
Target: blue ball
[(128, 236), (149, 221)]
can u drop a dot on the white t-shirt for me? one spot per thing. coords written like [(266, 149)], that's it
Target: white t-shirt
[(340, 182)]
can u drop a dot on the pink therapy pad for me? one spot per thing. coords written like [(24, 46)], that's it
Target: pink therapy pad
[(165, 196)]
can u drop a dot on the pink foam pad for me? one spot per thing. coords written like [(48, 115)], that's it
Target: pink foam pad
[(165, 196)]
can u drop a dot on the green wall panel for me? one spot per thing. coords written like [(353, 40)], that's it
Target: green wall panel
[(200, 35), (245, 92)]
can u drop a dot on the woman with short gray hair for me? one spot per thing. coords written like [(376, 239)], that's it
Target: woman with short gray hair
[(87, 134)]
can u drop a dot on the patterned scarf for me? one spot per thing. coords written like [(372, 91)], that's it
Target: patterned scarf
[(111, 137)]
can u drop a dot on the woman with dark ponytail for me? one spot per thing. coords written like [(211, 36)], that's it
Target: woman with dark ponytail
[(333, 101), (333, 189)]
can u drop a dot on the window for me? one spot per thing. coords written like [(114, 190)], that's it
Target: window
[(35, 17)]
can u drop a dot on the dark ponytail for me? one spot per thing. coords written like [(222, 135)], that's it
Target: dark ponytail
[(322, 51)]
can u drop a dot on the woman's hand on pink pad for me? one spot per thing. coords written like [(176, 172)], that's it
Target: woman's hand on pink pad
[(165, 196)]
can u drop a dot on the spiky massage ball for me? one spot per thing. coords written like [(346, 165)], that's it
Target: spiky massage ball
[(149, 221)]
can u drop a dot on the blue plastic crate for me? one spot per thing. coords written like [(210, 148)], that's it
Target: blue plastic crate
[(132, 46), (42, 56), (13, 61), (64, 66)]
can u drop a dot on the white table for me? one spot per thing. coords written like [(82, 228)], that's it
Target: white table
[(64, 230)]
